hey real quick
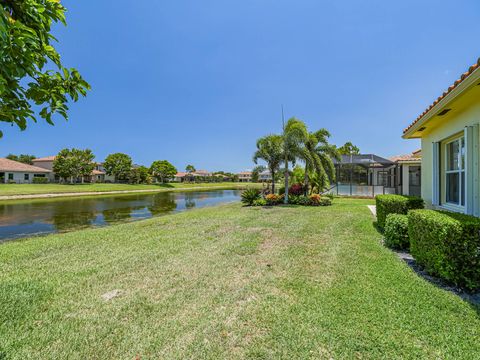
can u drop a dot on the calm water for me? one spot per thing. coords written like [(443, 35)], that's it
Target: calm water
[(34, 217)]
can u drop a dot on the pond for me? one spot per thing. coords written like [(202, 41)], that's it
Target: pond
[(35, 217)]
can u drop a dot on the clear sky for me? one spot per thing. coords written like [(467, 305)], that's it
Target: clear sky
[(199, 81)]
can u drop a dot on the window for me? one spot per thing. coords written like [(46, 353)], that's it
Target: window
[(455, 172), (26, 177), (382, 178), (10, 176)]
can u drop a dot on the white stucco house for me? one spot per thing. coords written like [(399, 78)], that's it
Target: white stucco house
[(20, 173)]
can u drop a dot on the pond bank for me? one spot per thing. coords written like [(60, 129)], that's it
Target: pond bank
[(115, 192)]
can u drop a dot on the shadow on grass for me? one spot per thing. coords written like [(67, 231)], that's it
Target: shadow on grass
[(473, 299)]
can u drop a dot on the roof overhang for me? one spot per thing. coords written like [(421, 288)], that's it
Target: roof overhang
[(415, 129)]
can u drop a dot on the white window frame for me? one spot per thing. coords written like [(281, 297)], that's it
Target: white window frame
[(458, 207)]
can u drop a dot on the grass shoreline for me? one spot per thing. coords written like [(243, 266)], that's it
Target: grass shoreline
[(227, 282), (38, 191)]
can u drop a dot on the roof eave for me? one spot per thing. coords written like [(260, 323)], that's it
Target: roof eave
[(458, 90)]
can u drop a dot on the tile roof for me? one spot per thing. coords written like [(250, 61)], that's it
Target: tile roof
[(415, 156), (245, 173), (181, 174), (462, 78), (98, 172), (46, 158), (10, 165)]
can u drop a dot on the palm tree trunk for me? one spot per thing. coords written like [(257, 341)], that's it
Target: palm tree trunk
[(273, 181), (305, 182), (286, 180)]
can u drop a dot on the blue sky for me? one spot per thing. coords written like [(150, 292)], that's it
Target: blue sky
[(199, 81)]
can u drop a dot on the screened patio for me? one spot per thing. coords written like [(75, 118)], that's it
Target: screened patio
[(364, 175)]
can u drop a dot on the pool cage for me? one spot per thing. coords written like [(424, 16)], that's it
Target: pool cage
[(365, 175)]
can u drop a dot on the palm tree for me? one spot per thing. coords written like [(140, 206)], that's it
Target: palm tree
[(294, 135), (317, 154), (270, 149)]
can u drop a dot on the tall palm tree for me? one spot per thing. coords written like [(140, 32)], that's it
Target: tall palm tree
[(294, 135), (317, 154), (270, 149)]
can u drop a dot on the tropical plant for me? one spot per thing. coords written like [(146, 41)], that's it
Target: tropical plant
[(259, 202), (317, 154), (298, 175), (23, 158), (294, 134), (273, 199), (270, 149), (162, 170), (118, 165), (250, 195), (348, 149), (190, 169), (26, 49)]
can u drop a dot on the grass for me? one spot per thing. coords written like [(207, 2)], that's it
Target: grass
[(35, 189), (227, 282)]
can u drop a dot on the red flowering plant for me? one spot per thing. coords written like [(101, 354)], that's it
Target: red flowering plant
[(296, 189)]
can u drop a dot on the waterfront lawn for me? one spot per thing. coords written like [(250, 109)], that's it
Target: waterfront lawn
[(227, 282), (34, 189)]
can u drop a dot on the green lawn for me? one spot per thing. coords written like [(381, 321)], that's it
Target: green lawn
[(227, 282), (33, 189)]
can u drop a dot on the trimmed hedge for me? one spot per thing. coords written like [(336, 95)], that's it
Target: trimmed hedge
[(396, 231), (447, 245), (395, 204)]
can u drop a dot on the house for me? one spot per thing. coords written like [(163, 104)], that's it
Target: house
[(14, 171), (364, 175), (98, 174), (265, 176), (409, 173), (180, 177), (449, 133), (245, 176)]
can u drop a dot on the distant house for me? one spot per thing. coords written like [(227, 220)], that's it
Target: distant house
[(409, 173), (98, 174), (265, 176), (201, 173), (14, 171), (180, 177), (449, 130), (245, 176)]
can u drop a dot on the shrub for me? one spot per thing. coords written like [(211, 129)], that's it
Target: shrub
[(395, 204), (396, 231), (249, 196), (273, 199), (318, 200), (295, 190), (325, 201), (40, 180), (447, 245), (260, 202), (299, 200), (329, 195), (12, 182)]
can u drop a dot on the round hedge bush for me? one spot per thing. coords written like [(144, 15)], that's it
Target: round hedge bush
[(396, 232)]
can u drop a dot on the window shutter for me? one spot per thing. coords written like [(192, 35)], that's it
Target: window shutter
[(436, 174)]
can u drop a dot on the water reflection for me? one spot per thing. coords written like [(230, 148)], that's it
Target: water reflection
[(30, 217)]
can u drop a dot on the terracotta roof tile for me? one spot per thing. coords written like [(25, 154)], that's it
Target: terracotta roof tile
[(457, 82), (46, 158), (10, 165)]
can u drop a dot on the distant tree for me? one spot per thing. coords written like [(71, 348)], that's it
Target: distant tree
[(256, 172), (118, 165), (74, 163), (139, 175), (162, 170), (85, 162), (348, 149), (23, 158), (190, 169), (270, 149), (26, 48)]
